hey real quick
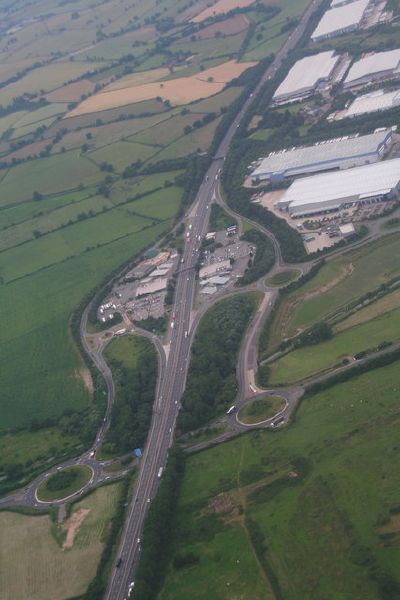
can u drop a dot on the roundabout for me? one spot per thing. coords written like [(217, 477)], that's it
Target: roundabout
[(261, 409), (64, 483)]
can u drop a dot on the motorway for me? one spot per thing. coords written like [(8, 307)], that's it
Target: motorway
[(172, 382)]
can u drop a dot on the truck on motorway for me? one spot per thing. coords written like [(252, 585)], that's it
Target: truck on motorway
[(160, 471), (120, 332), (230, 410), (253, 389), (186, 334)]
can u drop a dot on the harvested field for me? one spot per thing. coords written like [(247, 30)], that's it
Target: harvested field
[(221, 7), (71, 92), (177, 91), (231, 26), (35, 566)]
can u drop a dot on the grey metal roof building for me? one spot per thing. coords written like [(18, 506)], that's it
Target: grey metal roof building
[(305, 75), (332, 191), (376, 101), (328, 155), (341, 19), (373, 67)]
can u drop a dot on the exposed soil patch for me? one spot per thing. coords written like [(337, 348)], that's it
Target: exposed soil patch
[(86, 377), (392, 527), (223, 503), (72, 526)]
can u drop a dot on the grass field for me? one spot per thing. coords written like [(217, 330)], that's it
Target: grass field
[(34, 565), (28, 446), (80, 475), (340, 281), (37, 348), (312, 359), (261, 409), (47, 176), (317, 493)]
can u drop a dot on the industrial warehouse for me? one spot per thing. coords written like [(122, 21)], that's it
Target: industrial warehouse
[(376, 101), (306, 76), (341, 19), (332, 191), (374, 67), (342, 153)]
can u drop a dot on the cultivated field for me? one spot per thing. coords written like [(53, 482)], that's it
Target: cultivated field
[(209, 82), (34, 563), (316, 502)]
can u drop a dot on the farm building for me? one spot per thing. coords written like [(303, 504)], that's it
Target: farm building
[(305, 76), (333, 191), (374, 67), (340, 19), (342, 153), (372, 102)]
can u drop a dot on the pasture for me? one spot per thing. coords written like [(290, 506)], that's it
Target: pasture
[(209, 82), (340, 281), (311, 500), (34, 563), (47, 176), (40, 357), (309, 360)]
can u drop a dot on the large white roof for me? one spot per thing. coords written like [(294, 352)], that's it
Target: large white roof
[(372, 102), (359, 181), (324, 152), (374, 63), (340, 17), (306, 73)]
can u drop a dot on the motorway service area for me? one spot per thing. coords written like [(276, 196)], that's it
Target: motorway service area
[(141, 292)]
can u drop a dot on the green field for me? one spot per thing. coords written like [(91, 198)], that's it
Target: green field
[(47, 176), (309, 360), (320, 497), (64, 483), (261, 409), (340, 281), (34, 564)]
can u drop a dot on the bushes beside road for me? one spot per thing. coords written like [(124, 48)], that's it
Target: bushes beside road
[(211, 384), (135, 380), (263, 259)]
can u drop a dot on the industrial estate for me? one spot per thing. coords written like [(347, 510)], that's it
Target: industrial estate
[(199, 292)]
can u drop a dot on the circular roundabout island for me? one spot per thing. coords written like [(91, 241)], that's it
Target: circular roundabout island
[(261, 409), (64, 483)]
